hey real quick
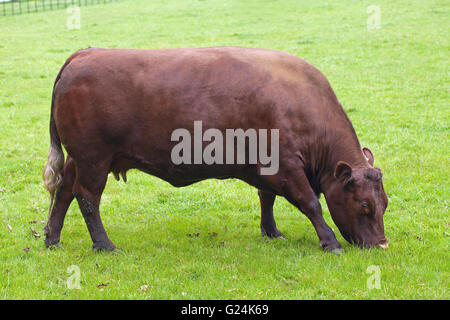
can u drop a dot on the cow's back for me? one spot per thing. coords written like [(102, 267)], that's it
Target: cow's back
[(127, 103)]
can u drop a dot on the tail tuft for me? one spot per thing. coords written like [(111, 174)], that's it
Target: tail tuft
[(52, 172)]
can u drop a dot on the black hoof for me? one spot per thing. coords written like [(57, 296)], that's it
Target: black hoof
[(272, 234), (337, 251), (334, 248), (104, 247), (52, 244)]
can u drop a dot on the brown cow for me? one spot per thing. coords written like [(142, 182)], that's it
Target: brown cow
[(115, 110)]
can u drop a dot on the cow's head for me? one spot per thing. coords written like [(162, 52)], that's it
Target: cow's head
[(357, 202)]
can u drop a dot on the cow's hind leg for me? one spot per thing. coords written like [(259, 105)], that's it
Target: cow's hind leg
[(88, 188), (268, 225), (63, 198)]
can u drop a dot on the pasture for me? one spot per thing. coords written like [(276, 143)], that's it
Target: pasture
[(391, 74)]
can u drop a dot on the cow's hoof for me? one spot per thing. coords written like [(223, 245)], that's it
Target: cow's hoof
[(332, 247), (104, 247), (52, 244), (272, 234), (337, 251)]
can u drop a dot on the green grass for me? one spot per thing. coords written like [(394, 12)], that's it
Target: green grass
[(393, 82)]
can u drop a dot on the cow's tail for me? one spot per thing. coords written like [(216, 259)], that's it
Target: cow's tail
[(52, 173)]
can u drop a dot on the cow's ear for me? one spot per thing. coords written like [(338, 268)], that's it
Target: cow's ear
[(343, 172), (369, 155)]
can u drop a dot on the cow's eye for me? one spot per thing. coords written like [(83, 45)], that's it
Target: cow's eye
[(365, 207)]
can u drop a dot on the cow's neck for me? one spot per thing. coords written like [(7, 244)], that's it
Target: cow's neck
[(337, 146)]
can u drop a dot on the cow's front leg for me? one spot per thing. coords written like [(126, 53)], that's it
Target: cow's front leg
[(268, 225), (327, 238), (298, 191)]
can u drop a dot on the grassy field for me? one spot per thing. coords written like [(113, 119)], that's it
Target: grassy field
[(392, 80)]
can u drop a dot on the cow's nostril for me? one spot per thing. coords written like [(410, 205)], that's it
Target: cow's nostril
[(384, 245)]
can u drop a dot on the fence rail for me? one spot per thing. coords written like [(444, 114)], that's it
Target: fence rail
[(12, 7)]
